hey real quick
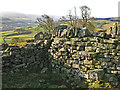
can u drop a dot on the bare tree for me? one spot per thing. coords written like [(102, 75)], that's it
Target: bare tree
[(47, 23), (72, 18), (76, 19), (63, 18), (85, 13)]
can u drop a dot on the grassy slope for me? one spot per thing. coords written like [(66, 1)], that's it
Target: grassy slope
[(100, 24), (8, 34)]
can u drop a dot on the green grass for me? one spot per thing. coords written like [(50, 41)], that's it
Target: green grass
[(33, 31), (33, 79)]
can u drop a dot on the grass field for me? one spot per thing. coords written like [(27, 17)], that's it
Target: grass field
[(103, 25), (27, 34)]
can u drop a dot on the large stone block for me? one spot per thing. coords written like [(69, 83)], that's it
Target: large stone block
[(113, 41), (75, 65), (90, 49)]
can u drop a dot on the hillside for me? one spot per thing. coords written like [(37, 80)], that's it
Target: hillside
[(11, 20), (105, 23)]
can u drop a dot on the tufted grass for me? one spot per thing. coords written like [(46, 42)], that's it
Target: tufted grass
[(33, 79)]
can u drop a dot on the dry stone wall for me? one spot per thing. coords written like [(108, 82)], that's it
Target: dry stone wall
[(96, 57), (32, 55), (15, 57), (81, 58)]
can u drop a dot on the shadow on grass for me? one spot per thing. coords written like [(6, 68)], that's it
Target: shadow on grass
[(18, 34), (33, 78)]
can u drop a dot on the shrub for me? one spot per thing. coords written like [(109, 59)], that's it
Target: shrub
[(99, 84)]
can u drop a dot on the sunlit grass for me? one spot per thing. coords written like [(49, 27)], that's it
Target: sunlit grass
[(33, 31), (20, 44)]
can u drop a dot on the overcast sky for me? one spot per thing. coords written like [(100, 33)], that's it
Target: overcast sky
[(99, 8)]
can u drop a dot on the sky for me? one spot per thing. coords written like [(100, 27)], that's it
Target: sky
[(99, 8)]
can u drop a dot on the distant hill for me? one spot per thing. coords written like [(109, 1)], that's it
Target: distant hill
[(17, 15), (102, 18), (115, 19), (12, 20)]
